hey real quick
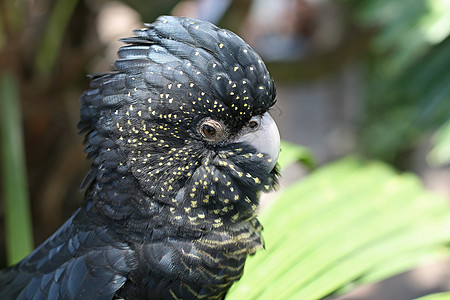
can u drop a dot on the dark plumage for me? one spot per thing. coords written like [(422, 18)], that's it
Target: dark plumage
[(181, 146)]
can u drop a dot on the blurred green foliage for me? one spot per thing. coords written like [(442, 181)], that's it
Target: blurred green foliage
[(15, 190), (294, 153), (440, 153), (51, 42), (437, 296), (350, 222), (408, 77)]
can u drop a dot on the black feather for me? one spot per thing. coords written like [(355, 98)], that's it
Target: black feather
[(167, 213)]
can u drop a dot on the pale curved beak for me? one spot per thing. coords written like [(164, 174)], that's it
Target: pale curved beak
[(266, 139)]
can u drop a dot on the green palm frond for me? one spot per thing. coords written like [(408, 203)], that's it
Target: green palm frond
[(17, 211), (349, 222)]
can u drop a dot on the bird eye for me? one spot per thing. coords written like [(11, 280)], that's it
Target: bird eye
[(254, 123), (212, 130), (208, 131)]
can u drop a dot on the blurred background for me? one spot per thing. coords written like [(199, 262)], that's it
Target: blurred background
[(366, 77)]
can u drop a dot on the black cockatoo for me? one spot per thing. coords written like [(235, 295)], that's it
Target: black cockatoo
[(181, 144)]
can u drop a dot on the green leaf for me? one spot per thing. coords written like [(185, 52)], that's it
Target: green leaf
[(54, 34), (291, 153), (348, 222), (17, 211), (437, 296), (440, 153), (408, 74)]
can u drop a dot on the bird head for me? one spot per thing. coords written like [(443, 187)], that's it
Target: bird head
[(185, 118)]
